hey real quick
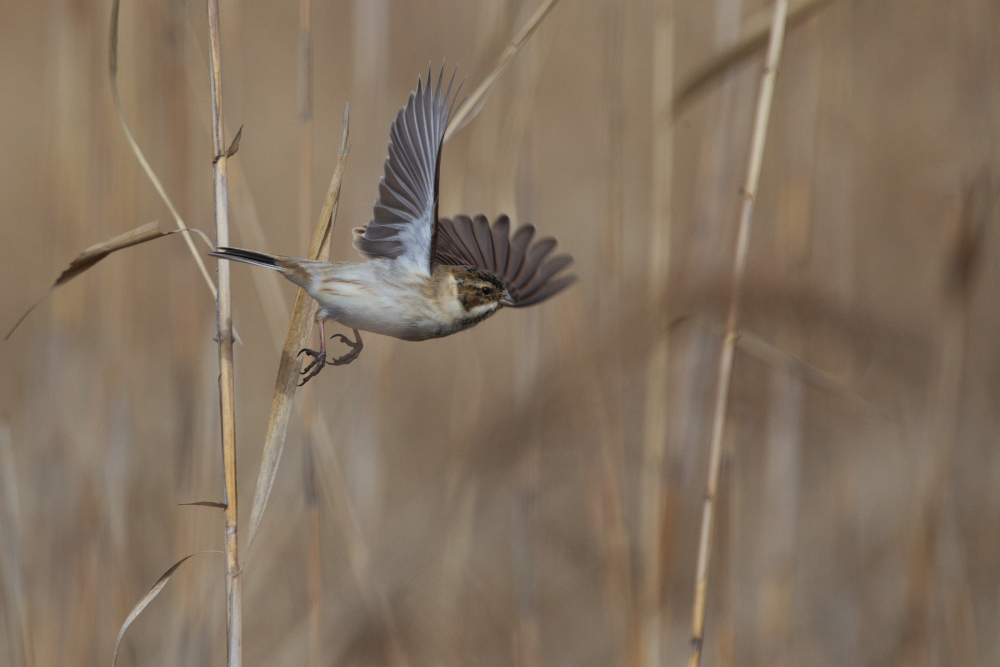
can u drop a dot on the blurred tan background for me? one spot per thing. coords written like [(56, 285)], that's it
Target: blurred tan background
[(526, 493)]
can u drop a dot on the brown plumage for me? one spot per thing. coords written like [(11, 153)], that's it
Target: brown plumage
[(525, 268)]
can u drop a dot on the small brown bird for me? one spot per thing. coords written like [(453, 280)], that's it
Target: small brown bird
[(425, 277)]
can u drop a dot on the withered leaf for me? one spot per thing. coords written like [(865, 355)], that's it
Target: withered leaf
[(95, 254), (205, 503), (235, 146), (149, 597)]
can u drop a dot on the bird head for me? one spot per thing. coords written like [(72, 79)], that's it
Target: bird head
[(479, 292)]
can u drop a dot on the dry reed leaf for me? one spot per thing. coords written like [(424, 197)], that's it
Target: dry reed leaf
[(149, 597), (235, 145), (474, 103), (95, 254), (752, 41), (299, 330), (113, 73)]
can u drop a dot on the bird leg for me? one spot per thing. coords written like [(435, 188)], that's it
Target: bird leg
[(319, 356), (355, 345)]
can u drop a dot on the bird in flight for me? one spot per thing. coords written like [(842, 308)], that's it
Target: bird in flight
[(423, 276)]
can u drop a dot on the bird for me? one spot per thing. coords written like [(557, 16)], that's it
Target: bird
[(421, 276)]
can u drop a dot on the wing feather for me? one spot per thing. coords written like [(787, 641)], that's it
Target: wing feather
[(484, 239), (532, 260), (467, 239), (545, 273), (501, 243), (519, 245), (404, 215), (548, 291), (526, 267)]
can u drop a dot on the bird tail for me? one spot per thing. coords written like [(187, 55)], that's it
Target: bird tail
[(250, 257), (299, 271)]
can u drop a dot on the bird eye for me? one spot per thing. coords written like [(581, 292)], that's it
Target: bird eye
[(486, 291)]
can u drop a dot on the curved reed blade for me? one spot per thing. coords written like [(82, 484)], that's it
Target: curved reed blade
[(149, 597), (95, 254)]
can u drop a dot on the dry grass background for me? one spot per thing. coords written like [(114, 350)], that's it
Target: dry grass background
[(480, 498)]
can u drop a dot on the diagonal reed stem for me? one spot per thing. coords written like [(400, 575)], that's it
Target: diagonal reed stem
[(153, 178), (234, 586), (725, 370)]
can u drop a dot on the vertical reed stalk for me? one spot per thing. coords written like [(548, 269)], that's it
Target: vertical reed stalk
[(725, 370), (618, 582), (234, 586), (655, 423), (314, 581)]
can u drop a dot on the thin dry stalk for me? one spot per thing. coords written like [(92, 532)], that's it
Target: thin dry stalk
[(113, 74), (725, 370), (474, 104), (314, 581), (753, 38), (655, 423), (617, 570), (227, 396)]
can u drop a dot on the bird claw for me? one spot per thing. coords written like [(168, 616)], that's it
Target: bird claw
[(315, 366), (355, 345), (319, 357)]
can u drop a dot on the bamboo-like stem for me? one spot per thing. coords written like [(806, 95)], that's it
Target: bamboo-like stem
[(234, 586), (725, 370)]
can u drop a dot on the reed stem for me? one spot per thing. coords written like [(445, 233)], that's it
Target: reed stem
[(234, 586), (650, 625), (725, 369)]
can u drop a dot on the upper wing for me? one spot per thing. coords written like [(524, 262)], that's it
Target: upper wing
[(406, 210), (525, 268)]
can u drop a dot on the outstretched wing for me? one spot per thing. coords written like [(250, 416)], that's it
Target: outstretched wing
[(526, 269), (403, 225)]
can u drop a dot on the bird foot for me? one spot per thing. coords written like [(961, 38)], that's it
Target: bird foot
[(315, 366), (319, 356), (355, 345)]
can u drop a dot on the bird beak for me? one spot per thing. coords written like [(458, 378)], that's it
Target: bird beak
[(506, 300)]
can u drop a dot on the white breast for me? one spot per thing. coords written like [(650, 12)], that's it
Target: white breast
[(381, 296)]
